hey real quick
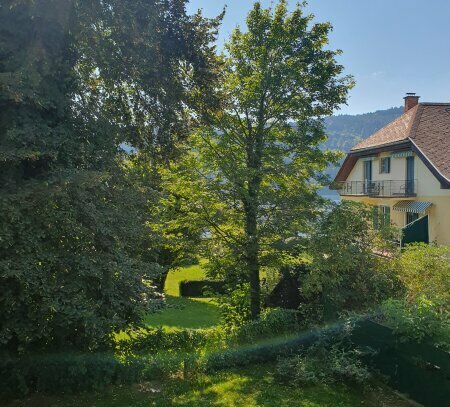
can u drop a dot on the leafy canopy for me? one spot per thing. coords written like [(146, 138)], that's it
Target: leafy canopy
[(249, 179), (77, 79)]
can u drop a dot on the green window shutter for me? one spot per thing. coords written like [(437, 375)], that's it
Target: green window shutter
[(387, 216), (375, 215)]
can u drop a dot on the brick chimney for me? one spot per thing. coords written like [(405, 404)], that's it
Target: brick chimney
[(411, 100)]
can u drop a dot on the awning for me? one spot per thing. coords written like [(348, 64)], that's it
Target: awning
[(411, 206), (369, 158), (400, 154)]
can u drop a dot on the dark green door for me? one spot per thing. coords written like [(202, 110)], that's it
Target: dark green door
[(409, 175), (367, 175)]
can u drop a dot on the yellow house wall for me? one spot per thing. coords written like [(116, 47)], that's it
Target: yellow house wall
[(428, 189), (398, 169)]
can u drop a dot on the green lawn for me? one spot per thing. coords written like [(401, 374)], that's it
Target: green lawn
[(254, 386), (185, 312)]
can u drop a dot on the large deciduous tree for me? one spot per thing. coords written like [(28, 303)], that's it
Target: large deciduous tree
[(77, 79), (251, 177)]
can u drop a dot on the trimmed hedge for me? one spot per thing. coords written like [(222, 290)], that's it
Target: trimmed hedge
[(274, 322), (266, 352), (198, 288), (72, 373), (154, 340)]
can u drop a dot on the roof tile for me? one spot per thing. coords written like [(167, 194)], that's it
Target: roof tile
[(427, 125)]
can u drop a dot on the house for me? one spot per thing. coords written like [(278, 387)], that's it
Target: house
[(404, 170)]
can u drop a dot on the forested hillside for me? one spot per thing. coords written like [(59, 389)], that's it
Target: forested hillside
[(346, 130)]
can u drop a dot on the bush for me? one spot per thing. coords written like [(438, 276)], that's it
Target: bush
[(201, 288), (423, 314), (235, 307), (63, 373), (268, 351), (419, 321), (71, 373), (272, 322), (323, 363), (154, 340), (344, 273)]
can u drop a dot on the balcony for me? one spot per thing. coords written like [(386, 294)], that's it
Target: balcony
[(378, 189)]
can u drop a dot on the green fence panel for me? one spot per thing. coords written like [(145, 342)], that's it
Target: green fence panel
[(419, 370)]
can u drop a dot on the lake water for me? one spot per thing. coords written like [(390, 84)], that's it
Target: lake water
[(330, 194)]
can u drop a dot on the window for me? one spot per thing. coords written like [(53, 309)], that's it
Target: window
[(381, 216), (385, 165), (385, 215), (411, 217)]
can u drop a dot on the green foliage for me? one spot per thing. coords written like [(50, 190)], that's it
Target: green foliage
[(235, 306), (324, 365), (425, 271), (330, 359), (77, 79), (344, 269), (249, 178), (62, 373), (161, 340), (272, 323), (419, 320), (424, 311)]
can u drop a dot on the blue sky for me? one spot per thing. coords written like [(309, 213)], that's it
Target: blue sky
[(390, 46)]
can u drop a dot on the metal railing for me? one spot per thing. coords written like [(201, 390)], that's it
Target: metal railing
[(390, 188)]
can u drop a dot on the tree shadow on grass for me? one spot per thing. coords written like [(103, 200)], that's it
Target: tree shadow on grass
[(256, 386)]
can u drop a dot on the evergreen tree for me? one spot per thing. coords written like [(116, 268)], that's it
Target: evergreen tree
[(76, 258)]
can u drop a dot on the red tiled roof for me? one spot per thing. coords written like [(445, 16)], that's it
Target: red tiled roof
[(427, 126)]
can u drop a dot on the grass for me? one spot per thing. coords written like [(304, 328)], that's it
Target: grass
[(185, 312), (248, 387)]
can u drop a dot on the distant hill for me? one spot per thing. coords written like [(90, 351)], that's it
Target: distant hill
[(345, 130)]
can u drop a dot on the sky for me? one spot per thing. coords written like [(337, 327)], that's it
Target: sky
[(389, 46)]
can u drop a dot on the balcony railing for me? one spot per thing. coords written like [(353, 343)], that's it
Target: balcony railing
[(388, 188)]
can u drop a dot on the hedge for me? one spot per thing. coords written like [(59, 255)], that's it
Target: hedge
[(201, 288), (71, 373), (273, 322)]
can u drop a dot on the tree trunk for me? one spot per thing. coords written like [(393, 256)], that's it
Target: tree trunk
[(252, 259)]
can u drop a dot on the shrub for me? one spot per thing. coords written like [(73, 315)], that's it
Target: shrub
[(323, 363), (269, 351), (201, 288), (425, 271), (154, 340), (235, 306), (421, 320), (344, 272), (63, 373), (71, 373), (272, 322), (423, 314)]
